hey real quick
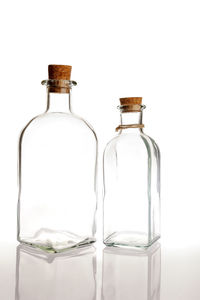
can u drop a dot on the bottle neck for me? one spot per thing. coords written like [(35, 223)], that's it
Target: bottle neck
[(58, 102), (130, 118), (134, 119)]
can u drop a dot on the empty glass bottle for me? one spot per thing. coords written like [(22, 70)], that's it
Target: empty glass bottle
[(57, 172), (131, 182)]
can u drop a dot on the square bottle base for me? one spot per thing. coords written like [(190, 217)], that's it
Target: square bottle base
[(129, 239)]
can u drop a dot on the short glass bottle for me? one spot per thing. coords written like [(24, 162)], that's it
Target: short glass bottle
[(131, 182), (57, 172)]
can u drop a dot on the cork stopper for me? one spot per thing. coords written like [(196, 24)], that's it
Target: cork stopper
[(131, 101), (131, 104), (59, 72)]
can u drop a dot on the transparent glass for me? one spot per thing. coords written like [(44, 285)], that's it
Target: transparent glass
[(57, 176), (131, 186), (60, 276), (131, 274)]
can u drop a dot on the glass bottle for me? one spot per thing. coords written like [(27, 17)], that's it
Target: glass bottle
[(131, 182), (57, 172)]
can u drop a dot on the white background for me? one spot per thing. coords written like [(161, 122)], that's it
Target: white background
[(117, 49)]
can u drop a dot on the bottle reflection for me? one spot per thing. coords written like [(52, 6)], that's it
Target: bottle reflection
[(131, 274), (64, 276)]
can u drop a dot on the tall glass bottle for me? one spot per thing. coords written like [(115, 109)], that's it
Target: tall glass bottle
[(131, 182), (57, 172)]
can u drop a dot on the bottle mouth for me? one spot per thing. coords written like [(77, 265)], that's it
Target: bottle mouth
[(59, 85), (131, 108)]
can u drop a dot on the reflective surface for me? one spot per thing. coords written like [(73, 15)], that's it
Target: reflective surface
[(129, 274), (41, 275), (158, 273)]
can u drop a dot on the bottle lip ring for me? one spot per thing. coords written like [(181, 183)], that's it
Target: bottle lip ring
[(61, 83), (131, 107)]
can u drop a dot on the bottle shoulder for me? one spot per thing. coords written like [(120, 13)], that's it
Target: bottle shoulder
[(129, 140), (58, 122), (155, 145)]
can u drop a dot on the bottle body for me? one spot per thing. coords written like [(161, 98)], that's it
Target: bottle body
[(57, 174), (131, 190)]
